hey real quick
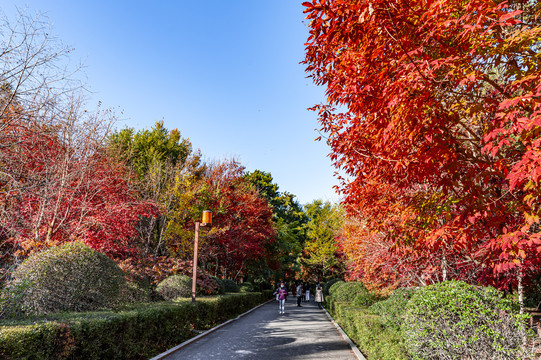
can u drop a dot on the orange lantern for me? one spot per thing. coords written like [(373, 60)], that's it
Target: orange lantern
[(207, 217)]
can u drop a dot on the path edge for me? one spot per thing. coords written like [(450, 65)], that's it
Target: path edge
[(345, 336), (189, 341)]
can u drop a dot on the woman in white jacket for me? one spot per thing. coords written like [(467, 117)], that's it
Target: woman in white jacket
[(319, 295)]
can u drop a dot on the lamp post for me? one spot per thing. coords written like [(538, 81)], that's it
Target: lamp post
[(207, 221)]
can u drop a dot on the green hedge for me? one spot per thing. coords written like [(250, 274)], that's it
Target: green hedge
[(137, 333), (370, 331), (460, 320)]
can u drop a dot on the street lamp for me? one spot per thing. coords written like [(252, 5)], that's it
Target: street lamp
[(207, 221)]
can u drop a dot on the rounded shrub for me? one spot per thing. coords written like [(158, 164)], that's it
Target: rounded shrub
[(328, 284), (458, 321), (230, 286), (219, 282), (246, 287), (11, 296), (136, 292), (263, 285), (70, 277), (392, 309), (208, 285), (175, 286), (353, 292), (334, 287)]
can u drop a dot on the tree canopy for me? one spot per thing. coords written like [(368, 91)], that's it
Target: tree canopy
[(433, 113)]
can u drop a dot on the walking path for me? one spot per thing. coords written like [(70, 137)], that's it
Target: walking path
[(301, 333)]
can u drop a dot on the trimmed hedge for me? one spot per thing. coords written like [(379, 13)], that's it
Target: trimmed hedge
[(449, 320), (335, 286), (137, 333), (354, 292), (393, 308), (368, 330)]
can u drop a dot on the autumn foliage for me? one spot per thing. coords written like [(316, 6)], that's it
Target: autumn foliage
[(242, 233), (433, 115), (55, 192)]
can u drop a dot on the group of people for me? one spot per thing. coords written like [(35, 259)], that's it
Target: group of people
[(301, 291)]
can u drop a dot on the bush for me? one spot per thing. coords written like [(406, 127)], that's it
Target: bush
[(230, 286), (219, 282), (393, 308), (335, 286), (455, 320), (71, 277), (208, 285), (353, 292), (136, 292), (328, 284), (369, 332), (246, 287), (175, 286), (262, 285), (11, 299)]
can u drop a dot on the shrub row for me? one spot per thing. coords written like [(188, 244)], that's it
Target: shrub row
[(136, 333), (369, 331), (349, 302)]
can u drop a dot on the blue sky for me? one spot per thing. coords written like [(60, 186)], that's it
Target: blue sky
[(225, 73)]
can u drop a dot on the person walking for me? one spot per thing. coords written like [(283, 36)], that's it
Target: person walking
[(281, 296), (319, 295), (307, 292), (299, 294)]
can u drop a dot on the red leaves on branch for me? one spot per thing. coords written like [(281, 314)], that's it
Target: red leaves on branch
[(434, 114), (55, 193)]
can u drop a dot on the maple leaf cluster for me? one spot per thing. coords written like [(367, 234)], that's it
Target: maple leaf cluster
[(433, 117)]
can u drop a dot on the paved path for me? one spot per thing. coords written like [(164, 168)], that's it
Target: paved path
[(301, 333)]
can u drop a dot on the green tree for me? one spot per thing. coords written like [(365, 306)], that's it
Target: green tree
[(289, 221), (321, 258), (159, 159)]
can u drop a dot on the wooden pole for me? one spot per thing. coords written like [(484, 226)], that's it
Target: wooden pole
[(194, 277)]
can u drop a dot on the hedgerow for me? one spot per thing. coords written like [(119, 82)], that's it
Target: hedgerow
[(369, 332), (138, 332)]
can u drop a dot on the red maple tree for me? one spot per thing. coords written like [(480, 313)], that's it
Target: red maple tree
[(53, 193), (433, 114)]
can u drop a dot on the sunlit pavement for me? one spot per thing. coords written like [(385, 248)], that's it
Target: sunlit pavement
[(301, 333)]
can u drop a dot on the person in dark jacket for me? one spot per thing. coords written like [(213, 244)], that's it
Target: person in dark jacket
[(299, 294)]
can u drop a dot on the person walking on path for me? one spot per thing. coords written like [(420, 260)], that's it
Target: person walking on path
[(307, 292), (299, 294), (319, 295), (281, 296)]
